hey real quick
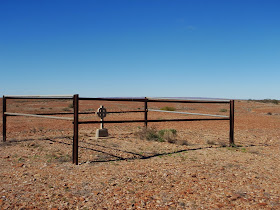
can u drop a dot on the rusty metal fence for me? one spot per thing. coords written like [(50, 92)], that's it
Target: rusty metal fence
[(76, 122)]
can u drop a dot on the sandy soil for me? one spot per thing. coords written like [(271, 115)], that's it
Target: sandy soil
[(124, 172)]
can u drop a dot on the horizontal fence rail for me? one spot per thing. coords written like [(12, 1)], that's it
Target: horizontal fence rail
[(188, 113), (64, 113), (39, 97), (83, 113), (187, 99), (35, 115), (161, 120), (112, 99)]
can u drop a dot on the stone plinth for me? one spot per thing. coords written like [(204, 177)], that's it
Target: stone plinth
[(102, 132)]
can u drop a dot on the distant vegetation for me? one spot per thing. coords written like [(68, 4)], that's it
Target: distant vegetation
[(272, 101), (223, 110), (168, 108)]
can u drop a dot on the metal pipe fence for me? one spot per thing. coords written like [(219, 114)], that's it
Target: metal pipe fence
[(76, 122)]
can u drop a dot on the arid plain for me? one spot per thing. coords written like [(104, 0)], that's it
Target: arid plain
[(197, 171)]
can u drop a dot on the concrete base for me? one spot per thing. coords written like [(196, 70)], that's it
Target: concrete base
[(102, 132)]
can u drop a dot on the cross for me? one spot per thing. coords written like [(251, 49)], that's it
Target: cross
[(101, 112)]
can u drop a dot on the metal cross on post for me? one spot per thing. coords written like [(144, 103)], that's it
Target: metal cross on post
[(101, 112), (102, 132)]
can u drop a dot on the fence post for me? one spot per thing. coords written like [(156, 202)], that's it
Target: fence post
[(4, 101), (231, 123), (146, 112), (76, 129)]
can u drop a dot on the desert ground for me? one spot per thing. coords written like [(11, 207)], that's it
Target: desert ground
[(122, 171)]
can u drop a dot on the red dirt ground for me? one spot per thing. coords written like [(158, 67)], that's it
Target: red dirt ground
[(124, 172)]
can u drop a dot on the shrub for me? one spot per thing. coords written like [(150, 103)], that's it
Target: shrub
[(162, 132), (151, 134), (168, 108), (70, 105), (168, 135), (146, 133), (223, 110)]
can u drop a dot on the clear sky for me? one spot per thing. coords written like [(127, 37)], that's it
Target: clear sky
[(186, 48)]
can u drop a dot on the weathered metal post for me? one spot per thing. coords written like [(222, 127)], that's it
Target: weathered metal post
[(76, 128), (4, 101), (231, 123), (146, 112)]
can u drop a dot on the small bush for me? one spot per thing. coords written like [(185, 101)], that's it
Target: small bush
[(151, 134), (168, 135), (70, 105), (162, 132), (168, 108), (223, 110), (146, 133)]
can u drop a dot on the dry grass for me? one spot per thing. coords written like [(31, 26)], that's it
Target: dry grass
[(164, 135)]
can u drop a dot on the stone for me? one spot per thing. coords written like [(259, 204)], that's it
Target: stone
[(102, 132)]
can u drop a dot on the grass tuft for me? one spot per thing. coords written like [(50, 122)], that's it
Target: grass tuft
[(168, 108), (164, 135), (223, 110)]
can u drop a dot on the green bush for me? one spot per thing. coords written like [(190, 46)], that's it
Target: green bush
[(162, 132), (223, 110), (168, 135), (168, 108), (151, 134)]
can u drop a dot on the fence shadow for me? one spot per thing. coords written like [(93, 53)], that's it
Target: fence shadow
[(116, 157)]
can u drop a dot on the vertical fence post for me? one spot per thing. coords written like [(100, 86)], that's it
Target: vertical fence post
[(231, 123), (4, 101), (146, 112), (76, 128)]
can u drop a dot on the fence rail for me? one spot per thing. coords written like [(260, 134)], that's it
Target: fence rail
[(112, 99), (35, 115), (188, 113), (161, 120), (76, 113), (39, 97)]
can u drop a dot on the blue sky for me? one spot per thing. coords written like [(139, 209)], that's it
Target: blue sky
[(179, 48)]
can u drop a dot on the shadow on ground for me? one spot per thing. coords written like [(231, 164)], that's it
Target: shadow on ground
[(116, 157)]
